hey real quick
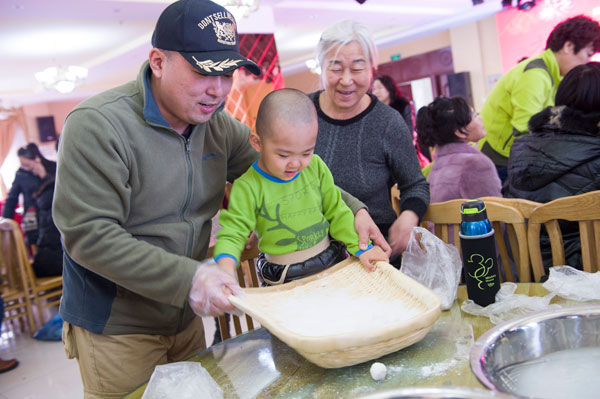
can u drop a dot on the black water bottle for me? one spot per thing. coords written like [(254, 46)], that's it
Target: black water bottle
[(480, 262)]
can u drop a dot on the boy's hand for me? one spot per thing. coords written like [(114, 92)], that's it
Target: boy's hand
[(375, 254), (227, 264)]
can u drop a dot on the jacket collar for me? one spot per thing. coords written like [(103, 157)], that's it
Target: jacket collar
[(151, 112), (565, 120), (458, 147)]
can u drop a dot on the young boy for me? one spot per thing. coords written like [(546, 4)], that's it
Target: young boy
[(288, 196)]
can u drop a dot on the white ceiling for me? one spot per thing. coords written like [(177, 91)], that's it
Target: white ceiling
[(112, 37)]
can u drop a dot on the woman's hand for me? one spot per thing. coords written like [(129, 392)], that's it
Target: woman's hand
[(399, 232), (367, 229)]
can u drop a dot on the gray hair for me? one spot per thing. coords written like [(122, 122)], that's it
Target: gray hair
[(342, 33)]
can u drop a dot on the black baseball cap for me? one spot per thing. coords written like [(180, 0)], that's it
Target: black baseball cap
[(205, 34)]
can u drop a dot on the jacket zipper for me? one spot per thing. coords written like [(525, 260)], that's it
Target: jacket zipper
[(190, 242)]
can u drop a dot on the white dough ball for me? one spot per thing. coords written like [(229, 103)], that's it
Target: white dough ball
[(378, 371)]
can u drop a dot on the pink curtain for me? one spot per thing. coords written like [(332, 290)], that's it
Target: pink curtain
[(8, 128)]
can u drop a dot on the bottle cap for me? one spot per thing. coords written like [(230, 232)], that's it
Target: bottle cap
[(473, 211)]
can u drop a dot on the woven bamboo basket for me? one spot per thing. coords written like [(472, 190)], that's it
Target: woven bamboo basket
[(362, 339)]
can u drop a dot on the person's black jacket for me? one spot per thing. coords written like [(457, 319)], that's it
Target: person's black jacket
[(25, 183), (405, 110), (559, 158), (48, 260)]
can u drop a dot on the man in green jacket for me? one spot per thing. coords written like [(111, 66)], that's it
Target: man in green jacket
[(531, 86), (141, 172)]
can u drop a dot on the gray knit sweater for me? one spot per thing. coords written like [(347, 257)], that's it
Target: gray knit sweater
[(367, 154)]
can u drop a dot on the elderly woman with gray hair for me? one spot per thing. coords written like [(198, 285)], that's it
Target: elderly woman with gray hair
[(365, 143)]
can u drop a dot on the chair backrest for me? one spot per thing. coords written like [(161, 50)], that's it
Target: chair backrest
[(395, 198), (582, 208), (12, 254), (15, 287), (248, 278), (446, 219), (524, 206)]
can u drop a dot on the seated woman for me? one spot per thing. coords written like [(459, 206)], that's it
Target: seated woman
[(48, 259), (460, 170), (561, 155)]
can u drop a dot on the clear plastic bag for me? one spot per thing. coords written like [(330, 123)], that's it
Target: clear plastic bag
[(509, 305), (182, 380), (433, 263), (570, 283)]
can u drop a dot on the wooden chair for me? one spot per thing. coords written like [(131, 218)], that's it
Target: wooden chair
[(584, 209), (14, 288), (247, 278), (525, 207), (395, 196), (446, 219), (44, 292)]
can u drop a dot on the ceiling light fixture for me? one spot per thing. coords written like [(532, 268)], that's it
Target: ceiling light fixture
[(525, 5), (313, 65), (62, 79), (7, 112), (239, 8)]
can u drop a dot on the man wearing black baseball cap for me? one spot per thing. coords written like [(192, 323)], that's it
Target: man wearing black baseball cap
[(141, 172)]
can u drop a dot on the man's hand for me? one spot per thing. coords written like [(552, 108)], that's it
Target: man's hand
[(211, 286), (367, 229), (399, 232), (373, 255)]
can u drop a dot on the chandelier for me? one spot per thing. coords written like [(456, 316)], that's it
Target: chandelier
[(62, 79), (239, 8), (7, 112)]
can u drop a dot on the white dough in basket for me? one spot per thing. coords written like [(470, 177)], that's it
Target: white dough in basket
[(338, 311)]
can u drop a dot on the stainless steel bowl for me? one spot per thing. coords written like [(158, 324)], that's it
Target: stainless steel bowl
[(437, 393), (544, 355)]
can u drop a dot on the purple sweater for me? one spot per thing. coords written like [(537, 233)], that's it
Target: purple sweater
[(462, 171)]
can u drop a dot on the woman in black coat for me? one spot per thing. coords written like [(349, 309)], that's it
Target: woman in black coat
[(561, 155), (26, 183), (385, 89), (48, 259)]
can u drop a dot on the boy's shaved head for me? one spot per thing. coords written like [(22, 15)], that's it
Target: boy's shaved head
[(289, 105)]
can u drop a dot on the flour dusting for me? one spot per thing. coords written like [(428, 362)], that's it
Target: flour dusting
[(333, 310)]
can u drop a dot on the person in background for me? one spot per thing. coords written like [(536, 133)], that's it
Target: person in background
[(289, 198), (531, 86), (561, 155), (5, 365), (366, 144), (460, 170), (141, 172), (48, 257), (386, 91), (25, 183)]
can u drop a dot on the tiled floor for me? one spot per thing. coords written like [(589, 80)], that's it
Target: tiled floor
[(44, 371)]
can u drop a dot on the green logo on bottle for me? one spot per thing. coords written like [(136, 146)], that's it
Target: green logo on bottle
[(482, 273)]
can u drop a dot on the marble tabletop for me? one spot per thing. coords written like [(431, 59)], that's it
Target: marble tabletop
[(258, 365)]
